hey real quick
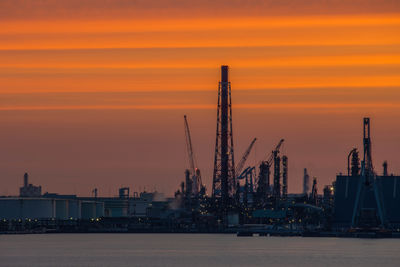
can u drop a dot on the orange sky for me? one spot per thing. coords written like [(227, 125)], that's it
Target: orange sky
[(92, 93)]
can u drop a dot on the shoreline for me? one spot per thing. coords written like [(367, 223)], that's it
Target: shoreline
[(237, 232)]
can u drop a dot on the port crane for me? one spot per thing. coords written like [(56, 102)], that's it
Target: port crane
[(248, 189), (274, 153), (242, 161), (265, 165), (195, 172), (248, 175)]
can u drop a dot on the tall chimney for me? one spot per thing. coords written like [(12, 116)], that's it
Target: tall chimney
[(306, 182), (385, 168), (26, 179), (224, 164)]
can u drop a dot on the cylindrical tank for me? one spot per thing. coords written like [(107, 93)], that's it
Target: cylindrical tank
[(74, 209), (88, 210), (27, 208), (37, 208), (61, 209), (99, 209), (10, 208)]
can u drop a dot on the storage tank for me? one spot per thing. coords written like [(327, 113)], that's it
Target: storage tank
[(99, 209), (88, 210), (37, 208), (27, 208), (74, 209), (61, 209), (10, 208)]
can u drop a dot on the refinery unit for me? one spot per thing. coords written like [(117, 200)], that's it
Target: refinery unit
[(244, 199)]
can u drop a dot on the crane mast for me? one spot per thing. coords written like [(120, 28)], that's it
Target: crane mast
[(368, 182)]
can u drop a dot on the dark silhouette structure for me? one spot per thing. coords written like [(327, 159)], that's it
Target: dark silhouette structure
[(363, 199), (240, 165), (29, 190), (277, 174), (306, 182), (364, 215), (194, 171), (224, 161), (284, 176)]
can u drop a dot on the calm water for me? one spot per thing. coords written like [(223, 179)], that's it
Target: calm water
[(193, 250)]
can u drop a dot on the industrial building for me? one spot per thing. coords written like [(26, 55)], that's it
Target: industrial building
[(364, 199), (34, 206), (29, 190), (346, 191)]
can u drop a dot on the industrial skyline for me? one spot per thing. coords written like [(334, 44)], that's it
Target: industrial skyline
[(92, 96), (272, 172), (199, 132)]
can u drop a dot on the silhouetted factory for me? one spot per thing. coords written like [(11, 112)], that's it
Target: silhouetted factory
[(362, 197), (245, 199)]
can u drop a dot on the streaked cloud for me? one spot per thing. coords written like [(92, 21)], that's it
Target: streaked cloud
[(107, 83), (75, 9), (273, 99)]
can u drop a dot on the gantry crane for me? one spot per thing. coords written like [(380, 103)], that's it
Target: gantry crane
[(195, 172)]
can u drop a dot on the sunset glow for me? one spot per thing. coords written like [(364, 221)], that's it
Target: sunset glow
[(107, 79)]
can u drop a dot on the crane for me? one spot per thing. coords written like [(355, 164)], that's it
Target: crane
[(265, 165), (314, 191), (274, 153), (248, 188), (194, 171), (246, 172), (241, 163)]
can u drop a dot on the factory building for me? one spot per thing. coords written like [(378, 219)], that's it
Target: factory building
[(29, 190), (346, 190), (51, 206), (364, 199)]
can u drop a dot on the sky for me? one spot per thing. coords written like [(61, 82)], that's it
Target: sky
[(93, 93)]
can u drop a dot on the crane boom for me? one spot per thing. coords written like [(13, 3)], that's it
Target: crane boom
[(195, 172), (189, 147), (276, 150), (242, 161)]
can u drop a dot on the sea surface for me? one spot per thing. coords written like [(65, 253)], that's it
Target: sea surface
[(194, 250)]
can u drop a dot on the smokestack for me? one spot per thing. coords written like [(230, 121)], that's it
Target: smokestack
[(224, 164), (26, 179), (306, 182), (224, 133), (385, 168), (224, 74)]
